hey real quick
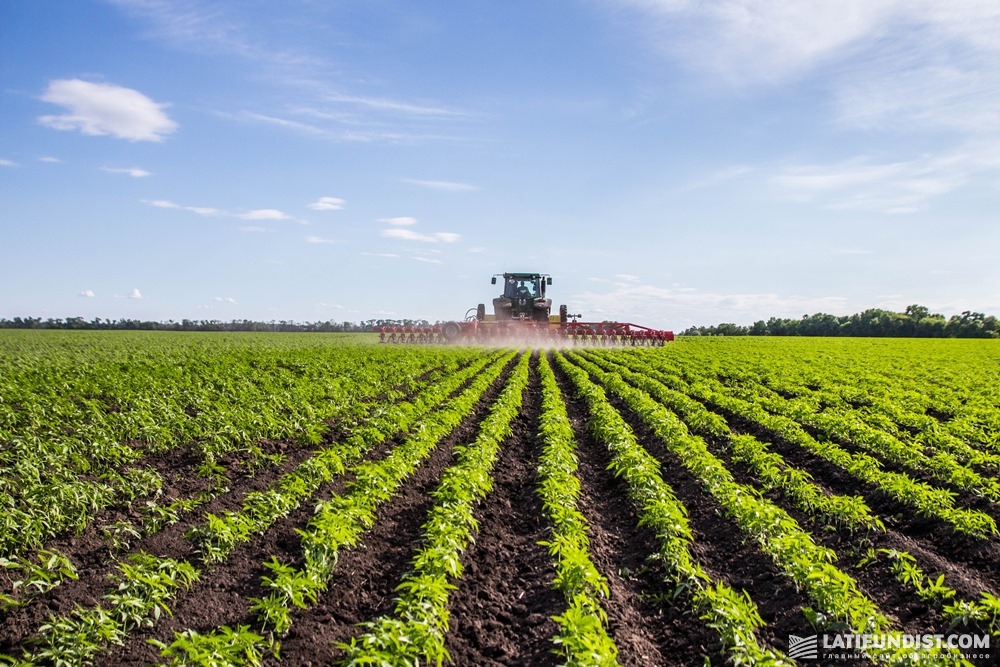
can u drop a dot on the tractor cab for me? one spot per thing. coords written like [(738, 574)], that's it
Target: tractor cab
[(519, 288), (523, 297)]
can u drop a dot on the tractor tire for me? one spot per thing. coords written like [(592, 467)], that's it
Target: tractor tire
[(451, 331), (481, 312), (563, 314)]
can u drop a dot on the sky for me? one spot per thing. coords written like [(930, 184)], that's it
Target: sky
[(668, 162)]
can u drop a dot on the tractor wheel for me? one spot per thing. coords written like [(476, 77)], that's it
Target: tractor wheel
[(451, 331), (481, 312), (563, 314)]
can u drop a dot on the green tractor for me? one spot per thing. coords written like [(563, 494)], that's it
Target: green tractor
[(523, 298)]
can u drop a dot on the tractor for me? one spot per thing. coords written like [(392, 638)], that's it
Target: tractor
[(522, 314)]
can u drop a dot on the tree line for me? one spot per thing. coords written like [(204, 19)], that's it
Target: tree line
[(204, 325), (915, 322)]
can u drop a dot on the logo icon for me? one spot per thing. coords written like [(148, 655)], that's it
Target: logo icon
[(803, 648)]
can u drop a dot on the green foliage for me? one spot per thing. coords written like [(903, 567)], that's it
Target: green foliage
[(915, 322), (228, 647)]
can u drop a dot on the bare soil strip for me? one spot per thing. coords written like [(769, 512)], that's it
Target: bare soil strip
[(501, 613), (648, 627)]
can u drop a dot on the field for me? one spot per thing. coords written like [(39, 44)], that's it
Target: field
[(305, 499)]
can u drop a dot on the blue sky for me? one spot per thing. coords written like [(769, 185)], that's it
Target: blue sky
[(669, 162)]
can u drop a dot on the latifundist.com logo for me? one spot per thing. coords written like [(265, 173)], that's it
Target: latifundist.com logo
[(831, 647), (803, 648)]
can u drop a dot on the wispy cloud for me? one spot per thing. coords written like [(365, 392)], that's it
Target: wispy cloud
[(132, 294), (134, 172), (320, 240), (7, 163), (402, 221), (390, 255), (164, 203), (890, 64), (391, 105), (255, 229), (442, 186), (890, 187), (428, 260), (264, 214), (226, 299), (410, 235), (327, 204), (49, 159), (252, 215), (88, 293), (317, 101), (106, 109)]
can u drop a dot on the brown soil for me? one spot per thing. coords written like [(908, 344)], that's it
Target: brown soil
[(501, 613)]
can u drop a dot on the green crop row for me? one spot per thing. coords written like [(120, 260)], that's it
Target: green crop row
[(583, 637), (847, 427), (926, 499), (217, 537), (415, 634), (338, 524), (62, 418), (145, 586), (965, 614), (327, 461), (732, 615), (769, 468), (808, 565)]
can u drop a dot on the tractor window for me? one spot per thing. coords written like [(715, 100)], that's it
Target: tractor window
[(520, 289)]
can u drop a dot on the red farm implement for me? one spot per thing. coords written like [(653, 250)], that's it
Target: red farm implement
[(522, 315)]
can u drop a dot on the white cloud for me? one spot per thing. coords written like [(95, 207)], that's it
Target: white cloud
[(89, 293), (318, 239), (390, 255), (390, 105), (264, 214), (227, 299), (106, 109), (327, 204), (134, 294), (134, 172), (443, 186), (7, 163), (889, 187), (400, 221), (410, 235), (254, 230), (164, 203), (49, 159), (429, 260), (890, 64)]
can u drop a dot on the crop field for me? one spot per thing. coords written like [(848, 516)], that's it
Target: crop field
[(307, 499)]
